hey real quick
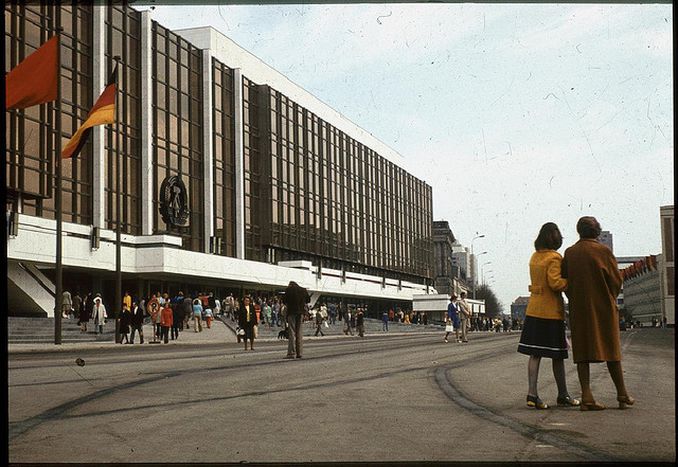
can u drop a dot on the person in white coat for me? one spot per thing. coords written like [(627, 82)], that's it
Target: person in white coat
[(99, 315)]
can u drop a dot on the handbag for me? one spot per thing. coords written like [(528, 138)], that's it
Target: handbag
[(326, 325), (241, 332)]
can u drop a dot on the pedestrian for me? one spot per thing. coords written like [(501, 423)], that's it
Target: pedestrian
[(177, 316), (208, 317), (154, 308), (319, 324), (76, 304), (84, 312), (391, 314), (127, 300), (66, 304), (544, 331), (465, 316), (247, 320), (125, 321), (452, 318), (295, 300), (360, 322), (594, 282), (166, 322), (268, 312), (384, 321), (137, 321), (346, 317), (197, 315), (99, 315), (187, 311)]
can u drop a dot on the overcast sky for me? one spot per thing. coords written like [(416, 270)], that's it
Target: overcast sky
[(516, 115)]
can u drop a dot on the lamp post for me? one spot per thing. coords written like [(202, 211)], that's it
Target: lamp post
[(473, 281), (473, 269), (482, 269)]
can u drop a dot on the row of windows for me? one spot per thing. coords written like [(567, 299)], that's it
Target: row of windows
[(30, 133), (177, 123), (224, 156)]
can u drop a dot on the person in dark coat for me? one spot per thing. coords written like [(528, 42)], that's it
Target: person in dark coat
[(84, 312), (594, 281), (247, 320), (295, 299), (177, 315), (137, 321), (125, 320)]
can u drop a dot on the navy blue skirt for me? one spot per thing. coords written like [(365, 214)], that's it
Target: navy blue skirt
[(543, 338)]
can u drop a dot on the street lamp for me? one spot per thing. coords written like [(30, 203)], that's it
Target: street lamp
[(473, 279), (483, 276)]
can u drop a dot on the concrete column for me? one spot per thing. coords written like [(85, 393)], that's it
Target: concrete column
[(98, 132), (208, 155), (239, 165), (146, 125)]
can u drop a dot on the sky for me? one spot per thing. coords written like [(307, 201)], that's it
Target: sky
[(515, 114)]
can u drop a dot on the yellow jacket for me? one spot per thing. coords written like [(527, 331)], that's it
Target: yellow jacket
[(546, 300)]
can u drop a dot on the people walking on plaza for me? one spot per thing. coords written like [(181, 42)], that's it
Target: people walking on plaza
[(66, 304), (154, 308), (544, 331), (465, 316), (594, 282), (84, 312), (295, 300), (208, 318), (76, 303), (384, 321), (332, 310), (99, 315), (125, 321), (247, 320), (127, 300), (166, 321), (187, 311), (319, 324), (137, 321), (197, 315), (177, 316), (346, 317), (453, 318), (360, 322), (268, 313)]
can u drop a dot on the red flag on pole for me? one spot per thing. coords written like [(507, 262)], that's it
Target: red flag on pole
[(102, 113), (34, 81)]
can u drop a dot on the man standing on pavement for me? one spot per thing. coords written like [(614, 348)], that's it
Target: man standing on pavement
[(360, 322), (295, 299), (137, 322), (319, 324), (346, 317), (465, 316), (384, 320)]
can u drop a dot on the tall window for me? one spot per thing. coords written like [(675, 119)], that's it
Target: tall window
[(123, 38), (31, 140), (224, 156), (177, 123), (252, 163)]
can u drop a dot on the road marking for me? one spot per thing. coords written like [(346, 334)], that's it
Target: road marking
[(544, 446)]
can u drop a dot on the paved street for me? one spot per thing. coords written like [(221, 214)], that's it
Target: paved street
[(404, 397)]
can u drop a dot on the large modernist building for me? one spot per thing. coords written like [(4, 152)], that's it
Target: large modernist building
[(233, 177)]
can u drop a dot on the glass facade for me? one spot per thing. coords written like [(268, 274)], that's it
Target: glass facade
[(224, 156), (328, 198), (123, 38), (177, 129), (254, 214), (30, 135)]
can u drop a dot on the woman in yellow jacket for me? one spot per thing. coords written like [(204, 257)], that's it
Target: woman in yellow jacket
[(543, 332)]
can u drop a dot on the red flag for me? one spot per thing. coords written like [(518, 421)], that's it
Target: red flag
[(102, 113), (34, 81)]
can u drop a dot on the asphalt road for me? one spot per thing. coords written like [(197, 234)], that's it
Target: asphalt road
[(381, 398)]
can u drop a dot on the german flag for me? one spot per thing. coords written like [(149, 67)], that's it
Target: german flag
[(34, 81), (102, 113)]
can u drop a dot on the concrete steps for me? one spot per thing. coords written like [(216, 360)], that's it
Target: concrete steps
[(22, 330)]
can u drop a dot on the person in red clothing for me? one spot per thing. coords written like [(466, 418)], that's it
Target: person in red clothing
[(166, 321)]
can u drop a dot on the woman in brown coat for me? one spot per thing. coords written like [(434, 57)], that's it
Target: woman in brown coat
[(594, 281)]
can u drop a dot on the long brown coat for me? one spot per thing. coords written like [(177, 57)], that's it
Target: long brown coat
[(594, 281)]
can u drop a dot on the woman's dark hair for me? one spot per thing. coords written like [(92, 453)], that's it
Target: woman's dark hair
[(549, 237)]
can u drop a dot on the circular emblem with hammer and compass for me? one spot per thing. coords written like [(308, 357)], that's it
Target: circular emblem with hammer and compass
[(174, 201)]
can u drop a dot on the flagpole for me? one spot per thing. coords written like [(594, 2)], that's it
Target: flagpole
[(118, 268), (57, 201)]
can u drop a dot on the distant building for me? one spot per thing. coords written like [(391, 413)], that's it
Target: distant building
[(606, 239), (642, 294), (461, 261), (443, 239), (666, 266), (519, 307)]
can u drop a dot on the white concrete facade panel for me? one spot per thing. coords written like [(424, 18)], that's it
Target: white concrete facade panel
[(98, 132), (146, 125), (208, 153), (239, 165)]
